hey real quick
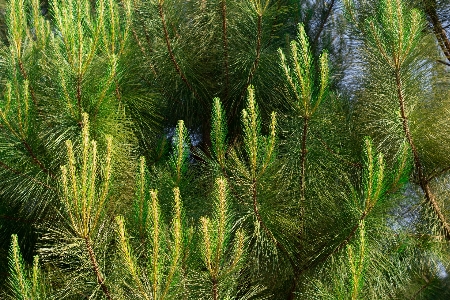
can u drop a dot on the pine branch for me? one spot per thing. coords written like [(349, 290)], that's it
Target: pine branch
[(303, 165), (323, 21), (96, 268), (393, 49), (25, 76), (171, 54), (221, 261), (258, 54), (423, 182), (19, 282), (83, 199), (155, 279), (428, 282), (225, 46), (20, 134), (36, 160), (373, 190), (128, 257), (24, 284), (439, 31), (17, 172), (80, 61), (301, 80)]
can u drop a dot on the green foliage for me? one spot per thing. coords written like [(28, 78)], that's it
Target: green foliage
[(163, 252), (308, 87), (180, 155), (253, 149), (222, 257), (219, 132), (24, 284)]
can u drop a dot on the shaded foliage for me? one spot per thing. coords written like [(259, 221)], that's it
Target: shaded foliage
[(214, 149)]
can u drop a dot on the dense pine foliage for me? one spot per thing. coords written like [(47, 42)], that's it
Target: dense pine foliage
[(219, 149)]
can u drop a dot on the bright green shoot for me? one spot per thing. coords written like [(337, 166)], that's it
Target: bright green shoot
[(308, 87), (216, 243), (393, 33), (260, 150), (84, 200), (219, 132), (164, 252), (357, 261), (180, 156), (373, 177), (23, 284)]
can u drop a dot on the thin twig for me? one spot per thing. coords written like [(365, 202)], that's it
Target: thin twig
[(303, 164), (225, 46), (171, 54), (141, 47), (254, 66), (79, 79), (336, 249), (443, 62), (215, 288), (36, 160), (17, 172), (257, 58), (265, 228), (438, 173), (325, 17), (423, 287), (96, 268), (423, 182), (439, 31)]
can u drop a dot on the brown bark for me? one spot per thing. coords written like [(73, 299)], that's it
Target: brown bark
[(423, 182), (96, 268), (438, 29), (215, 289)]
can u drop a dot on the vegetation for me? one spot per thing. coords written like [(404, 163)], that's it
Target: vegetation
[(214, 149)]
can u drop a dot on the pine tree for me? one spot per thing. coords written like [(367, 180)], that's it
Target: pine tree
[(24, 285), (214, 149)]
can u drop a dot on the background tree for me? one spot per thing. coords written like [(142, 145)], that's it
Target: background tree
[(158, 149)]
